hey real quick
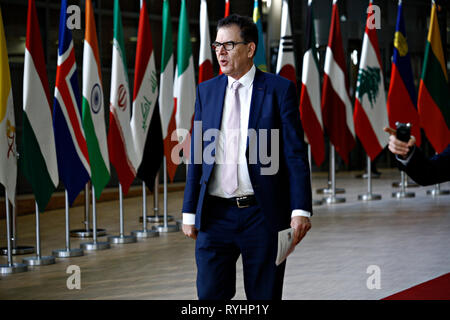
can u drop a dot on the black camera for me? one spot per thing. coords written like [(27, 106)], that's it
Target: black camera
[(403, 131)]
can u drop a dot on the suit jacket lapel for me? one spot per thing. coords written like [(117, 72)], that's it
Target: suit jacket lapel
[(217, 109), (256, 104)]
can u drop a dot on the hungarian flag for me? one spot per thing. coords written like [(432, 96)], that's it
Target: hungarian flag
[(260, 56), (184, 86), (145, 127), (120, 139), (310, 112), (434, 98), (38, 154), (336, 104), (286, 58), (205, 70), (166, 92), (8, 161), (402, 97), (93, 106), (71, 148), (370, 115)]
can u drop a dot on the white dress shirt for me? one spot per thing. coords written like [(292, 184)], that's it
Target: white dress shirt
[(244, 184)]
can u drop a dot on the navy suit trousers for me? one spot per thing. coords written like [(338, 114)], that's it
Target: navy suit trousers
[(228, 232)]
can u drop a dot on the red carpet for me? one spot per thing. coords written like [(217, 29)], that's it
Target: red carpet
[(435, 289)]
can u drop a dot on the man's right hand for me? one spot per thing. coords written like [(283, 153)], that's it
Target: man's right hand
[(399, 147), (190, 231)]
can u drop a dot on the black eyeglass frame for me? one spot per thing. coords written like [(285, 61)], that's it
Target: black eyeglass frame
[(215, 46)]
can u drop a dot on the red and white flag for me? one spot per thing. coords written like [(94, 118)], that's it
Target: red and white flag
[(286, 58), (336, 104), (370, 101), (205, 70), (310, 112)]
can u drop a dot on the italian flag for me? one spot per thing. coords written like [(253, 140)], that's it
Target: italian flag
[(166, 92), (310, 112), (370, 116), (184, 86), (205, 70), (8, 161), (38, 155), (120, 140), (434, 98), (93, 107)]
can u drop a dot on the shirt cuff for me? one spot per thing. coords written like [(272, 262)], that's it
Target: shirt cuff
[(406, 161), (300, 213), (189, 218)]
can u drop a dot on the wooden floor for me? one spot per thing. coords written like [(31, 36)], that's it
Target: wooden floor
[(409, 240)]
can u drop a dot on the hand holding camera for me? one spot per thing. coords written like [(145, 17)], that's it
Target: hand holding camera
[(400, 140)]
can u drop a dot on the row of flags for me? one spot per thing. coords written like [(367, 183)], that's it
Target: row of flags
[(330, 109), (82, 149)]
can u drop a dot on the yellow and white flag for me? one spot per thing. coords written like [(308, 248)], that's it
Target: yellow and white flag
[(8, 161)]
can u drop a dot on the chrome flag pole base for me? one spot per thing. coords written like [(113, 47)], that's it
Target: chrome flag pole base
[(84, 233), (122, 239), (403, 194), (39, 261), (18, 250), (369, 197), (145, 233), (329, 190), (333, 200), (12, 268), (438, 192), (408, 184), (94, 246), (156, 219), (166, 229), (67, 253)]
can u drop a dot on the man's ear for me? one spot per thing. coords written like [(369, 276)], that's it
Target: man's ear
[(251, 49)]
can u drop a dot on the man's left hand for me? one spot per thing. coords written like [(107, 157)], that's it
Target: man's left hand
[(301, 226)]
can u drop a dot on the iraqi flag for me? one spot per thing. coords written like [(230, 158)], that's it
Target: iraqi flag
[(8, 160), (370, 115), (71, 148), (434, 97), (145, 122), (184, 86), (38, 154), (93, 107), (286, 58), (120, 139), (402, 97), (336, 104), (205, 70), (310, 111), (166, 92)]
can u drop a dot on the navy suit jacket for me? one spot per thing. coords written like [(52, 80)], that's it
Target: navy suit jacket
[(273, 106), (426, 171)]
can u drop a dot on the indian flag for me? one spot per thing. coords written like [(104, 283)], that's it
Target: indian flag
[(38, 157), (370, 115), (93, 107), (8, 161), (434, 98), (184, 86)]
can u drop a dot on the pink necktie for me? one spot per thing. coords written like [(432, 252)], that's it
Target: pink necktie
[(232, 124)]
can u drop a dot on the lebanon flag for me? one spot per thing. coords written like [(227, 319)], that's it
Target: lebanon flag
[(434, 97), (402, 98), (310, 111), (184, 86), (205, 70), (93, 107), (336, 104), (286, 59), (370, 115), (38, 157), (71, 147), (166, 92), (145, 127), (8, 161), (120, 140)]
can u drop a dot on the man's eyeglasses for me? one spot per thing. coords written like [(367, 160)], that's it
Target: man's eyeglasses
[(229, 45)]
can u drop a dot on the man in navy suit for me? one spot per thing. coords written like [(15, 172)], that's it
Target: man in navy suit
[(236, 205), (425, 171)]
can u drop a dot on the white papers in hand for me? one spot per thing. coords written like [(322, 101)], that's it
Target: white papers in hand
[(285, 238)]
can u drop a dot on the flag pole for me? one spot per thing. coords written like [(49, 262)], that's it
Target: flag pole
[(38, 260), (145, 233), (331, 198), (369, 196), (165, 227), (121, 238), (10, 267), (315, 202), (94, 245), (67, 252), (329, 188), (156, 217), (403, 185)]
